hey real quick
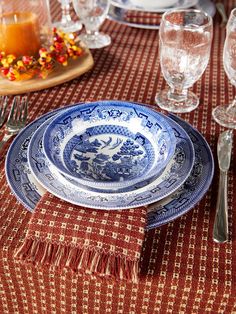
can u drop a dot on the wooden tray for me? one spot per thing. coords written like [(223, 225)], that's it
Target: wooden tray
[(60, 75)]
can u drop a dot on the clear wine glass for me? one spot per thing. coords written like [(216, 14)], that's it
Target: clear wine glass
[(92, 14), (67, 24), (226, 115), (185, 38)]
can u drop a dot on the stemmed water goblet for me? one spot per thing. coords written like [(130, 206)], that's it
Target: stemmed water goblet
[(92, 14), (226, 115), (66, 23), (185, 42)]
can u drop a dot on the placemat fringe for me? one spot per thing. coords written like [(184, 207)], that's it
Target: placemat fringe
[(91, 261)]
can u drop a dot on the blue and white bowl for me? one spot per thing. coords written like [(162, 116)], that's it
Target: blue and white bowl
[(109, 144)]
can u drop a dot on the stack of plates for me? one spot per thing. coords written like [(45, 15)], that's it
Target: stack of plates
[(90, 155), (147, 13)]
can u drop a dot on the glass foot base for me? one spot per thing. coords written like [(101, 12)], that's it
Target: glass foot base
[(178, 106), (224, 117), (69, 27), (99, 40)]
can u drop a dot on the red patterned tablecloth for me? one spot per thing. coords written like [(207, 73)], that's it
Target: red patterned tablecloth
[(182, 269)]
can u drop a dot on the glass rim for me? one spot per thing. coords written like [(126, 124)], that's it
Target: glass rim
[(233, 12), (209, 18)]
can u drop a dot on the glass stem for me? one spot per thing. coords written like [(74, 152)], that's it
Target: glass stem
[(66, 18), (91, 33), (178, 94), (232, 108)]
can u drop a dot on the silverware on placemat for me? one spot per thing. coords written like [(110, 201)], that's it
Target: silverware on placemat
[(16, 119), (224, 148), (221, 9)]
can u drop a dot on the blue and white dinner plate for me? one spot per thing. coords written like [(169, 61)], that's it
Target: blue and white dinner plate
[(29, 192), (193, 189), (129, 5), (174, 175), (120, 11)]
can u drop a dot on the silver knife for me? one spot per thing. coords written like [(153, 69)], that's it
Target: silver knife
[(224, 148)]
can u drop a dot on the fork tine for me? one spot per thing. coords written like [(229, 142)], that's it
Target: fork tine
[(24, 108), (12, 110), (4, 101), (3, 109), (17, 110)]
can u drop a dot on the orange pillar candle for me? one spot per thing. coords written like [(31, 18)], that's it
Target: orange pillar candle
[(19, 33)]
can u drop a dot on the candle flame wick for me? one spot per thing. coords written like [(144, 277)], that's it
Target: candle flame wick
[(15, 18)]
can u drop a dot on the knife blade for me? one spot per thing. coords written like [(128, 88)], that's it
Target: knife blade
[(224, 149)]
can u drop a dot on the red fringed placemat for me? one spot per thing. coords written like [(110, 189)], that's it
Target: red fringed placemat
[(107, 243)]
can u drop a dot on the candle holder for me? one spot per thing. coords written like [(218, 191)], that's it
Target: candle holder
[(29, 46), (25, 26)]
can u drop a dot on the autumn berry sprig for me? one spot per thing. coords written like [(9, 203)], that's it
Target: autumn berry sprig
[(63, 49)]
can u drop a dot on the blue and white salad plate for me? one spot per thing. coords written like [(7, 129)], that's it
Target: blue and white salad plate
[(132, 5), (28, 191), (109, 144), (174, 175)]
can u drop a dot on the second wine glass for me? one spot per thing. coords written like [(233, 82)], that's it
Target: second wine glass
[(222, 114), (66, 23), (92, 14), (184, 41)]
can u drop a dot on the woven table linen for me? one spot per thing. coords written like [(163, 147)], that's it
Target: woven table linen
[(106, 243), (144, 18), (181, 269)]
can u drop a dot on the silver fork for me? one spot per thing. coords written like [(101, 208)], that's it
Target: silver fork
[(3, 109), (16, 119)]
